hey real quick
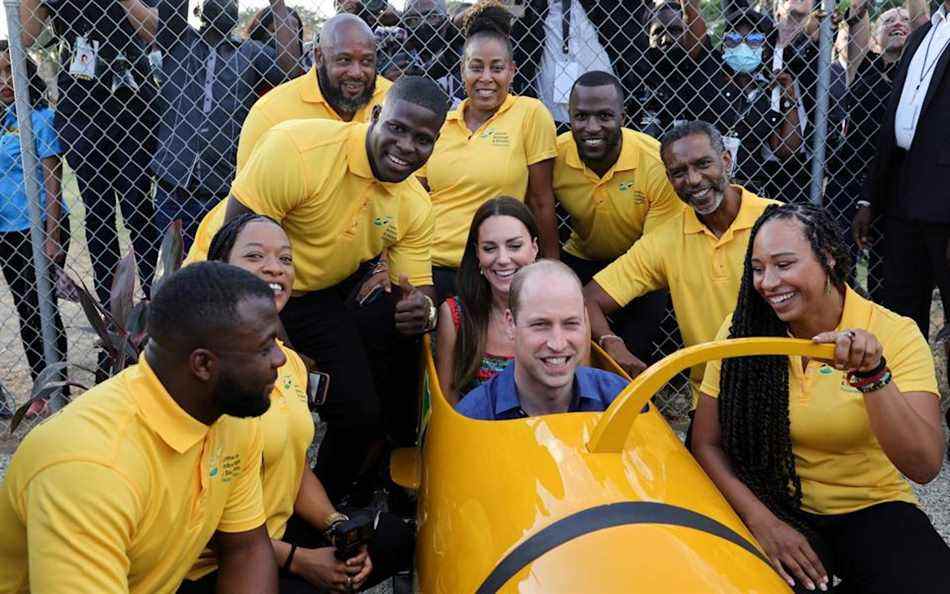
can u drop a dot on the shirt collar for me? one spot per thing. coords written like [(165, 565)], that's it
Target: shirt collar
[(626, 161), (356, 157), (506, 404), (939, 16), (745, 218), (856, 311), (161, 413), (458, 113)]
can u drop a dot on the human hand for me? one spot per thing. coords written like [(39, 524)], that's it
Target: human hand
[(321, 568), (861, 227), (625, 359), (789, 552), (786, 82), (379, 278), (412, 309), (855, 349)]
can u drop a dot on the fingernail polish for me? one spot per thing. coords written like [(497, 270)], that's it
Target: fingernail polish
[(810, 586)]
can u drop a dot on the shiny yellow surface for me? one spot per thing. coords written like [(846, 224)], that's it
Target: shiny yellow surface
[(486, 486)]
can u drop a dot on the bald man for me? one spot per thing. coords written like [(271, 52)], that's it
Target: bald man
[(547, 322), (342, 85)]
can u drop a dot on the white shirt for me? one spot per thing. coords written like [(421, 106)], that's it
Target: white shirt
[(585, 54), (919, 73)]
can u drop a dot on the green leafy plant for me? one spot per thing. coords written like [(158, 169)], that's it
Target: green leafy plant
[(120, 326)]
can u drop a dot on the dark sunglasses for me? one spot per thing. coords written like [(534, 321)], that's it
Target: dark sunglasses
[(752, 39)]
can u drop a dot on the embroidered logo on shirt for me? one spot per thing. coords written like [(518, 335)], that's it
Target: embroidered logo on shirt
[(213, 462), (230, 467), (625, 186), (497, 138), (825, 370)]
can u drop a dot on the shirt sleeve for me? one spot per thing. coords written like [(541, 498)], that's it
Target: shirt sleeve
[(255, 125), (910, 360), (411, 255), (46, 140), (78, 539), (244, 509), (540, 135), (635, 273), (664, 203), (274, 180), (710, 386)]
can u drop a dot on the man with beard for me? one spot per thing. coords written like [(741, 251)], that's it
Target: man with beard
[(211, 79), (122, 490), (344, 193), (698, 255), (343, 85), (612, 183)]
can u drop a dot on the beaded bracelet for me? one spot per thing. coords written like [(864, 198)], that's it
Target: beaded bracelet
[(875, 383)]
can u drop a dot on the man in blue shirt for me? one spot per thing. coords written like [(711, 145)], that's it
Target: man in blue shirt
[(548, 324)]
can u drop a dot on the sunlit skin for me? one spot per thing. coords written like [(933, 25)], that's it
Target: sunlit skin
[(551, 336), (786, 273), (487, 72), (596, 119), (893, 28), (504, 247), (697, 173), (401, 138), (347, 53), (262, 248)]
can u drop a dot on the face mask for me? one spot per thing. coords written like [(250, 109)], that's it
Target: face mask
[(742, 58)]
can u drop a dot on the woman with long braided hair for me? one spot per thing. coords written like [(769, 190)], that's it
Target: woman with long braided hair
[(811, 453)]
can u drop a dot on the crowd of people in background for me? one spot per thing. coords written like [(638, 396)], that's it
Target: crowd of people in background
[(401, 175)]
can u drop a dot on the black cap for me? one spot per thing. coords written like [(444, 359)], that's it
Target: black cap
[(754, 19)]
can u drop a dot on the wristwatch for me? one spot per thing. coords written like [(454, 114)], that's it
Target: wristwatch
[(432, 318), (863, 204)]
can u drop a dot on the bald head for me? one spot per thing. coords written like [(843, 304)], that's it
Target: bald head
[(345, 26), (541, 277)]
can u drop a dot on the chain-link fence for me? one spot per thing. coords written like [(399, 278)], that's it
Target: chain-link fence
[(136, 112)]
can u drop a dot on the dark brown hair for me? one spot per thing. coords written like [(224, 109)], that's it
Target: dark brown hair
[(474, 292)]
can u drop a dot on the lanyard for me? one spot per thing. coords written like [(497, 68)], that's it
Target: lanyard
[(565, 26), (924, 68)]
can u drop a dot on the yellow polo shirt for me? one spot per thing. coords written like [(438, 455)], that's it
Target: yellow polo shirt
[(298, 98), (609, 214), (314, 177), (210, 224), (287, 432), (701, 271), (839, 461), (122, 490), (468, 168)]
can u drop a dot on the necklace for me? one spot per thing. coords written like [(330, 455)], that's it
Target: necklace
[(925, 69)]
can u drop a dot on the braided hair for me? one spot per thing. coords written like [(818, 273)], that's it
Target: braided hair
[(753, 399), (488, 19), (223, 241)]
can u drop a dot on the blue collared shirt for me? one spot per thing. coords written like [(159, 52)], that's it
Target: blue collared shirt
[(14, 205), (497, 399)]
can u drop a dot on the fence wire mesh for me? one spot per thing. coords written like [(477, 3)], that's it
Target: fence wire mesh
[(137, 113)]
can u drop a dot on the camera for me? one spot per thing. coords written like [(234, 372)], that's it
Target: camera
[(349, 536)]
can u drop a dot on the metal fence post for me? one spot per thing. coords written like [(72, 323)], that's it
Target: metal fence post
[(24, 112), (821, 105)]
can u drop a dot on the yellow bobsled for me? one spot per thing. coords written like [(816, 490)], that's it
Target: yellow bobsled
[(581, 502)]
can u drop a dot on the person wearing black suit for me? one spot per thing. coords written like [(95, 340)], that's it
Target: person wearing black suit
[(908, 184)]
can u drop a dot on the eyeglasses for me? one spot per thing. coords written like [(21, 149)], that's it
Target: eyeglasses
[(752, 39)]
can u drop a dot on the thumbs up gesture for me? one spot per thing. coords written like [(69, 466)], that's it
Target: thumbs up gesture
[(413, 310)]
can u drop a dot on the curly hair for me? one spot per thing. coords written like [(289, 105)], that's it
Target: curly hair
[(488, 19), (223, 241), (753, 400), (474, 292)]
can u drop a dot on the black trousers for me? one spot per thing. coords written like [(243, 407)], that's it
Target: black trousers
[(889, 548), (914, 263), (444, 280), (391, 551), (16, 260), (374, 375), (109, 152), (639, 323)]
